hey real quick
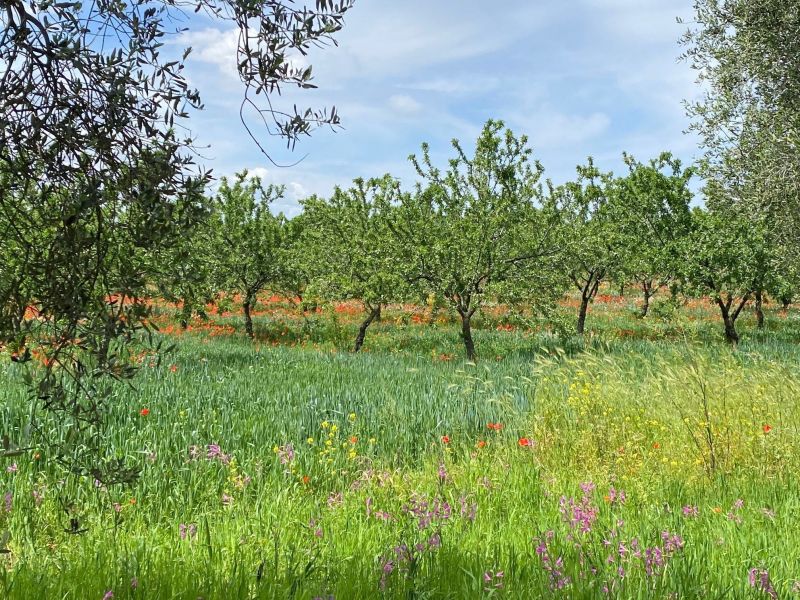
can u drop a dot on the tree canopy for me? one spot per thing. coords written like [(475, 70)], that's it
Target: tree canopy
[(96, 172), (481, 228)]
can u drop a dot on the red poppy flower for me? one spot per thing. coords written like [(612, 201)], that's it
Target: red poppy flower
[(494, 426), (306, 479), (144, 412), (173, 368), (767, 428), (480, 444), (656, 445), (353, 439), (445, 439), (525, 442)]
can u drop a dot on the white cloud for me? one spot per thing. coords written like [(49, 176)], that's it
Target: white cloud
[(297, 191), (395, 40), (404, 104), (260, 172), (213, 46), (583, 77), (454, 86), (548, 128)]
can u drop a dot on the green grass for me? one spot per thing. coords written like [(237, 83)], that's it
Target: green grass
[(641, 406)]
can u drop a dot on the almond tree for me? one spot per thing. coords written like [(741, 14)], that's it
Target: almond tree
[(590, 234), (481, 229), (725, 256), (249, 240), (650, 210), (351, 252)]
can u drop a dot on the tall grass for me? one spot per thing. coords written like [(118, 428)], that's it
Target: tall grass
[(657, 463)]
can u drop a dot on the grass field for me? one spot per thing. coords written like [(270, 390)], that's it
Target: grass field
[(646, 461)]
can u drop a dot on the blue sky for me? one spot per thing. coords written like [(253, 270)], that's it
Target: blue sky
[(578, 77)]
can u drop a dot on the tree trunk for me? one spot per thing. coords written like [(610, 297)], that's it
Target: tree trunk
[(466, 334), (248, 317), (729, 318), (785, 302), (588, 288), (647, 290), (582, 314), (186, 315), (760, 309), (379, 315), (621, 290), (730, 329), (374, 313)]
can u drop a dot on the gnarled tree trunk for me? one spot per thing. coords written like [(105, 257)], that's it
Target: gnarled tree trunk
[(249, 302), (466, 332), (372, 315), (588, 288), (729, 316), (584, 308), (647, 293), (186, 315)]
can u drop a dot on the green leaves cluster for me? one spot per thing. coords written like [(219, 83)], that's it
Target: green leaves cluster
[(247, 248), (348, 248), (100, 199), (482, 229)]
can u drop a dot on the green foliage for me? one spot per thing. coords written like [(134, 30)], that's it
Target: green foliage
[(72, 289), (97, 188), (746, 56), (481, 229), (651, 216), (349, 250), (726, 257), (249, 240), (184, 270), (589, 232), (629, 415)]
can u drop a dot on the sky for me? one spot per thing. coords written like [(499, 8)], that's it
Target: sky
[(578, 77)]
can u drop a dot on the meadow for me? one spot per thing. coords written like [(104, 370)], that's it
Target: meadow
[(645, 460)]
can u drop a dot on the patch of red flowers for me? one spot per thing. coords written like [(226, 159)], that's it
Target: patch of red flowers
[(494, 426), (144, 412)]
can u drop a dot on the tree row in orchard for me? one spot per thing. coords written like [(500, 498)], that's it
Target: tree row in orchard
[(487, 227)]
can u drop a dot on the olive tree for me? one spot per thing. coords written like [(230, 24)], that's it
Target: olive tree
[(747, 57), (480, 228), (94, 169), (351, 250)]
